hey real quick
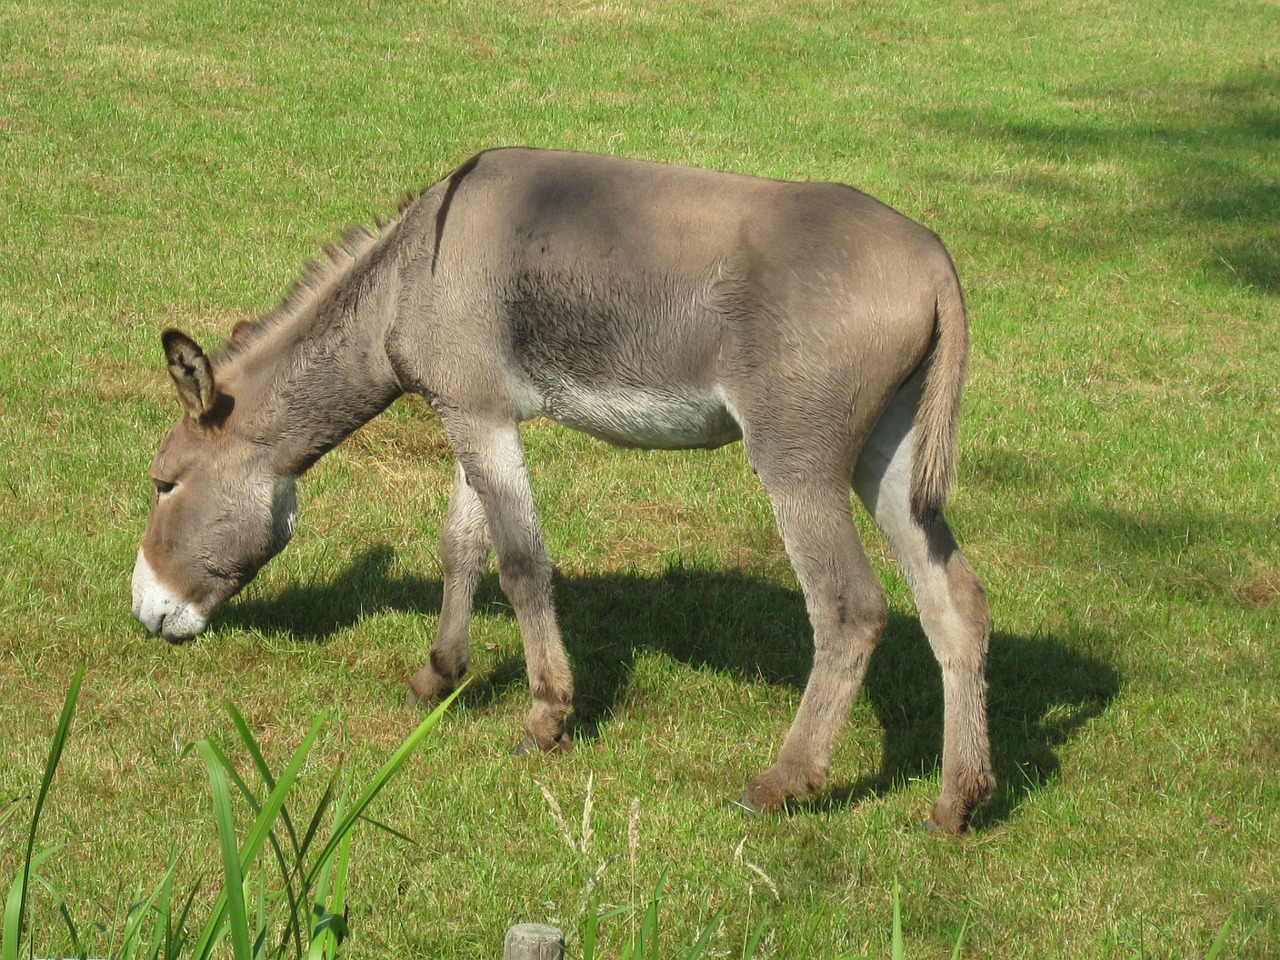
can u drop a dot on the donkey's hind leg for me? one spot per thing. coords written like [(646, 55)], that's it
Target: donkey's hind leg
[(846, 607), (464, 551), (952, 604)]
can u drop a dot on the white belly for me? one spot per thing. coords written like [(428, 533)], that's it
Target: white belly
[(634, 418)]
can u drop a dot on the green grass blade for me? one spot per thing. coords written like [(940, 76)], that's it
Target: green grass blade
[(1220, 940), (163, 904), (330, 927), (955, 953), (317, 818), (175, 937), (139, 913), (899, 950), (381, 778), (647, 938), (260, 926), (318, 936), (753, 944), (287, 872), (258, 833), (232, 874), (264, 771), (16, 903), (67, 920), (589, 932), (389, 830), (704, 938)]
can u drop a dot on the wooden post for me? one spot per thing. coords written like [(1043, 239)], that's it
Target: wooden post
[(533, 941)]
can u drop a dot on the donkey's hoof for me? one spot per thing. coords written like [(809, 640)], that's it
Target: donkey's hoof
[(529, 745), (427, 688), (779, 785)]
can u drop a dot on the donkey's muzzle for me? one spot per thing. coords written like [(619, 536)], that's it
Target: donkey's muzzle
[(160, 609)]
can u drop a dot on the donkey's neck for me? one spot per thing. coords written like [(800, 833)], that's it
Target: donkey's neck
[(316, 371)]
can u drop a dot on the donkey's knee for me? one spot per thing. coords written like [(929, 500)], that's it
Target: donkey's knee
[(525, 576), (463, 551), (847, 621)]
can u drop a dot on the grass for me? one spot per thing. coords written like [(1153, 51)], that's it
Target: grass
[(303, 915), (1104, 175)]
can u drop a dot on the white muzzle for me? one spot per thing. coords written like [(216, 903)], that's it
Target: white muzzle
[(161, 610)]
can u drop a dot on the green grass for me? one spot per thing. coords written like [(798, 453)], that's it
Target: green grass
[(304, 912), (1105, 175)]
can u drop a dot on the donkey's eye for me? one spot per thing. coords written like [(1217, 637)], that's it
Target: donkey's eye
[(164, 487)]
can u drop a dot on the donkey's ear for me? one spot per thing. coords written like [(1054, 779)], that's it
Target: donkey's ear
[(191, 372)]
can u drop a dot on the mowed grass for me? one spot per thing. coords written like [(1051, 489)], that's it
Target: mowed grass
[(1105, 175)]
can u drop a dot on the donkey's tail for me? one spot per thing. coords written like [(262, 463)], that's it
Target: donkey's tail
[(937, 417)]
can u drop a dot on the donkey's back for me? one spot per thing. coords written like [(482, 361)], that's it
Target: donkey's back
[(654, 305)]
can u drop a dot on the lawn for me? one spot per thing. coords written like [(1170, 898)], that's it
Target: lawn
[(1106, 177)]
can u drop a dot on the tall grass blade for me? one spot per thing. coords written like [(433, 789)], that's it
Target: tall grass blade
[(175, 936), (13, 908), (262, 922), (163, 903), (899, 950), (380, 779), (753, 944), (328, 927), (264, 771), (292, 895), (590, 930), (68, 921), (1220, 940), (317, 818), (704, 938), (16, 903), (647, 938), (232, 873), (389, 830), (257, 836), (139, 912), (955, 953)]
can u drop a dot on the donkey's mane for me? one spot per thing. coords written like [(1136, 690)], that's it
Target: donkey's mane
[(320, 277)]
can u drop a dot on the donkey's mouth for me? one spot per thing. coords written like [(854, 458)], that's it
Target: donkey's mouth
[(176, 625), (161, 610)]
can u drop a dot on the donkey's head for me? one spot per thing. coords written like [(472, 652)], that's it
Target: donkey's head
[(218, 512)]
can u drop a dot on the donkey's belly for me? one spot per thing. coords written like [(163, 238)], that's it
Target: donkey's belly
[(635, 418)]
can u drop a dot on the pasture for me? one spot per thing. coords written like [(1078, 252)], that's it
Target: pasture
[(1105, 176)]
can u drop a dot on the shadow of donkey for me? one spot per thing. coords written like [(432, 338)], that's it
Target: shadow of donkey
[(1041, 688)]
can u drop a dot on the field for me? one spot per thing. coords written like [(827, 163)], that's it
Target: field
[(1106, 177)]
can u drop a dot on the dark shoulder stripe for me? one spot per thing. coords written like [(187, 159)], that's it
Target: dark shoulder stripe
[(455, 181)]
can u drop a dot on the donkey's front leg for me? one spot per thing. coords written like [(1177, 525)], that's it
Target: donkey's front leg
[(464, 550), (493, 462)]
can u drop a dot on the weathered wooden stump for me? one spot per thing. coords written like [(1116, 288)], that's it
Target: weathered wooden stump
[(533, 941)]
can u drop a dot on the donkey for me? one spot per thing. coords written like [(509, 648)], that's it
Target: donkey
[(650, 306)]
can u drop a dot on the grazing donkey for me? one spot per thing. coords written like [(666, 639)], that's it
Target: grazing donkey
[(650, 306)]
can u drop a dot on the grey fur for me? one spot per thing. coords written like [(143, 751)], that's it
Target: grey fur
[(649, 305)]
